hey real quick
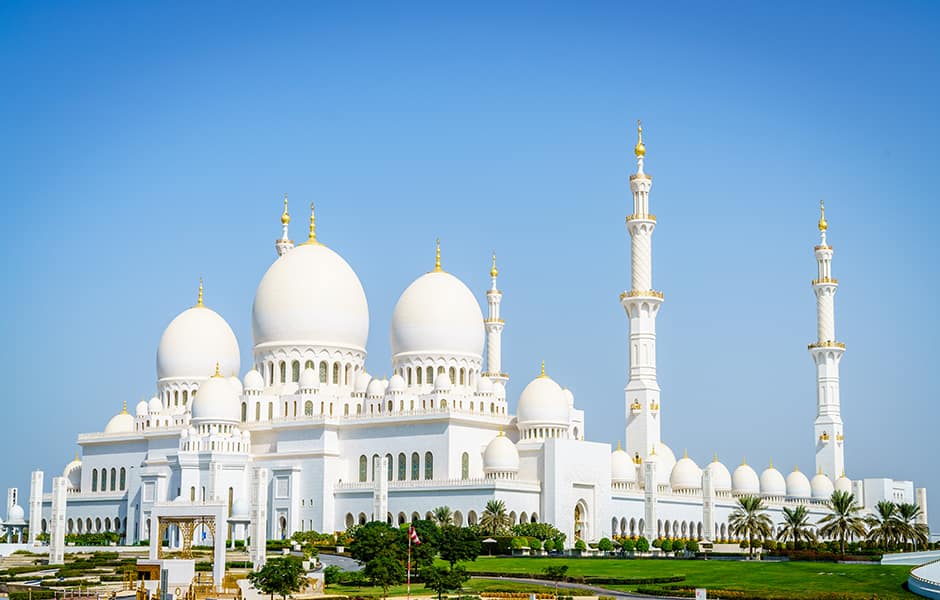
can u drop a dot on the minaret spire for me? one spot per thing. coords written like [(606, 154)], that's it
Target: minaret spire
[(284, 244), (312, 235), (494, 329), (437, 256), (827, 353), (641, 304), (199, 297)]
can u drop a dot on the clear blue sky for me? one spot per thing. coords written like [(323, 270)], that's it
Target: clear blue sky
[(145, 145)]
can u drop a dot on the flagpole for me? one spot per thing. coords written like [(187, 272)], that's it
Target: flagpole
[(409, 563)]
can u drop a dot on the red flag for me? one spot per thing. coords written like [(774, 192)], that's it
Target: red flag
[(413, 536)]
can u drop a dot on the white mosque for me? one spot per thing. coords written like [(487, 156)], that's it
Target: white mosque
[(309, 440)]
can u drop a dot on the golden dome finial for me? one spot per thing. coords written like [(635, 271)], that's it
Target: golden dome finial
[(823, 226), (312, 236), (493, 270), (199, 296), (685, 453), (618, 445), (124, 408), (218, 371), (437, 255), (771, 464), (285, 216), (819, 471), (542, 374), (715, 457), (640, 149), (653, 450), (76, 455), (743, 460), (796, 468), (500, 431)]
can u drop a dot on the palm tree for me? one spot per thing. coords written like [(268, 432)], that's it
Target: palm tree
[(886, 528), (843, 521), (795, 525), (750, 519), (918, 533), (442, 516), (494, 518)]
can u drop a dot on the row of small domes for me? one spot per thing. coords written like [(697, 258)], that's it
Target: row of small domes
[(686, 474), (310, 296)]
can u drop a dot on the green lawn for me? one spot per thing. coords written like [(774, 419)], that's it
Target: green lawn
[(418, 589), (789, 579)]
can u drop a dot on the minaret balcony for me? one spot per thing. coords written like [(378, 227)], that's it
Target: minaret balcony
[(826, 344), (637, 217), (825, 280), (641, 294), (493, 321)]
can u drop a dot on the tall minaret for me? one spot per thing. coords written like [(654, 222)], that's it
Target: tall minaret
[(642, 305), (827, 352), (494, 330), (284, 244)]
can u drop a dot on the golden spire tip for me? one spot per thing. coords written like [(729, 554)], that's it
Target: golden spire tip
[(640, 149), (618, 445), (124, 408), (312, 236), (493, 270), (199, 296), (542, 374), (437, 255), (823, 225), (715, 457), (285, 216), (685, 453), (218, 372)]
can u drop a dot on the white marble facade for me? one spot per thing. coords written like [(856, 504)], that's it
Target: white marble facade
[(310, 421)]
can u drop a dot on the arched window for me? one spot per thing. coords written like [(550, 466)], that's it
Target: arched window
[(71, 526), (430, 375), (98, 524), (283, 368), (258, 411), (94, 480), (418, 373), (104, 480), (388, 458), (323, 371), (185, 397), (409, 376), (308, 408), (415, 466), (309, 365), (295, 371), (336, 373), (107, 524), (465, 466), (428, 465), (363, 467), (375, 465), (123, 479), (176, 398), (270, 411), (453, 375), (402, 467), (192, 494), (463, 376), (389, 406), (244, 411)]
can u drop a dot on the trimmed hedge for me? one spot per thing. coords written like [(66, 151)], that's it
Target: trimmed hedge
[(589, 579)]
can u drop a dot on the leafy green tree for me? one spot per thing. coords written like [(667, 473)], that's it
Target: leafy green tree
[(518, 543), (443, 580), (281, 576), (535, 543), (331, 574), (692, 545), (642, 544), (666, 546), (494, 519), (542, 531), (556, 573), (885, 526), (384, 570), (458, 544), (548, 545), (442, 516), (375, 539), (749, 519), (628, 545), (843, 519), (605, 545), (918, 533), (678, 545), (580, 545), (422, 555), (795, 525)]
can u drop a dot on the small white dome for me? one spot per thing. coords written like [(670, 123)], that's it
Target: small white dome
[(798, 485), (122, 422), (772, 482), (499, 390), (309, 380), (744, 480), (73, 474), (240, 508), (310, 296), (821, 486), (362, 382), (376, 388), (193, 343), (236, 384), (500, 456), (721, 477), (396, 383), (484, 386), (142, 410), (685, 475), (216, 401), (442, 382), (665, 462), (542, 402), (843, 484), (622, 468), (438, 315), (569, 397), (15, 516), (155, 406), (254, 382)]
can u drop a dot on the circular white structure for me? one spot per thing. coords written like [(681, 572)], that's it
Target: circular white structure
[(686, 475), (15, 516), (744, 480), (142, 409), (821, 486), (216, 402), (798, 485), (396, 383), (192, 344), (155, 406), (253, 381), (843, 484), (772, 482), (501, 458), (309, 380), (542, 409), (122, 422), (721, 477), (622, 468), (73, 474), (310, 298)]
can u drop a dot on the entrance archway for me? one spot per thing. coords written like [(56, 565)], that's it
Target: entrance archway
[(581, 521)]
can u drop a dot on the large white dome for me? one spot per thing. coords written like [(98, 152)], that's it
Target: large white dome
[(772, 482), (500, 456), (216, 401), (310, 297), (685, 475), (721, 477), (744, 480), (193, 343), (798, 485), (542, 402), (438, 315), (73, 474)]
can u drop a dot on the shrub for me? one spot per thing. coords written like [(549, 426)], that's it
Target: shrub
[(657, 543), (535, 543), (549, 545), (666, 545), (769, 545), (744, 544), (605, 545), (518, 543), (580, 545), (331, 574), (692, 546), (678, 545), (642, 544), (628, 545)]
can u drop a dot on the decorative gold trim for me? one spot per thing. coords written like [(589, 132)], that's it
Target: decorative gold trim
[(493, 270), (312, 236), (641, 294), (199, 303), (645, 176), (493, 321), (542, 375), (823, 226), (825, 280), (639, 149), (822, 247), (638, 217), (826, 344), (824, 437), (285, 216)]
